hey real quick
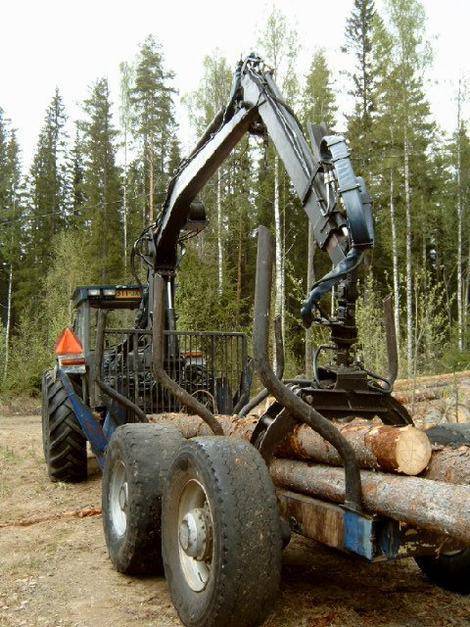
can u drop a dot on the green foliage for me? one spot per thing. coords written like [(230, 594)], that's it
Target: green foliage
[(431, 328), (74, 218), (371, 331), (318, 103), (101, 186), (152, 113)]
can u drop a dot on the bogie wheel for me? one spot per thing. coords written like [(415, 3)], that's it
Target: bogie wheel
[(137, 461), (449, 570), (64, 443), (221, 534)]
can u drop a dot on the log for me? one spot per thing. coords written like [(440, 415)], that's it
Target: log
[(425, 504), (451, 465), (377, 446), (432, 380)]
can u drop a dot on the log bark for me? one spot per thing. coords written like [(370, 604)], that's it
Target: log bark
[(431, 380), (450, 465), (404, 450), (430, 505)]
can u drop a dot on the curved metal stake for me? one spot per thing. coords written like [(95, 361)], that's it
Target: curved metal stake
[(296, 406)]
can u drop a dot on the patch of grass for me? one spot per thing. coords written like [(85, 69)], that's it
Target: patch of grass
[(8, 455)]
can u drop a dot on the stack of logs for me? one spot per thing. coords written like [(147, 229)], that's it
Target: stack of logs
[(404, 476), (436, 399)]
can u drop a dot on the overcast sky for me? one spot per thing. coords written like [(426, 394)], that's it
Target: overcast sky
[(49, 43)]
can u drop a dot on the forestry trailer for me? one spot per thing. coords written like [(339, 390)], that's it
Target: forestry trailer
[(200, 482)]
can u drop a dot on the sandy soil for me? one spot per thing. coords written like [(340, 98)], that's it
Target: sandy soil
[(56, 572)]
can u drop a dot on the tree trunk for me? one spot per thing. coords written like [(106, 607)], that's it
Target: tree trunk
[(239, 266), (311, 249), (406, 499), (151, 185), (124, 201), (220, 251), (279, 305), (396, 286), (8, 325), (459, 228), (409, 283), (404, 450)]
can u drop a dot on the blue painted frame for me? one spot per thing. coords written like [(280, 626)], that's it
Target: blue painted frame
[(91, 427)]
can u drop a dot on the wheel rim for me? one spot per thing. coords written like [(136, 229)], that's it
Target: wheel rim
[(118, 498), (195, 535)]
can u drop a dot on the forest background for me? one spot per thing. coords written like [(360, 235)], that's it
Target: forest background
[(72, 215)]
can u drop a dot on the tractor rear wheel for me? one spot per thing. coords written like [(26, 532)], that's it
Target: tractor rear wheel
[(221, 534), (63, 441), (449, 570), (137, 461)]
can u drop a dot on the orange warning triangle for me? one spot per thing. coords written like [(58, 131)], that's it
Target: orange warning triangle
[(68, 343)]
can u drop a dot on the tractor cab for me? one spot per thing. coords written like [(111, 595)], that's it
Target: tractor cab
[(119, 301)]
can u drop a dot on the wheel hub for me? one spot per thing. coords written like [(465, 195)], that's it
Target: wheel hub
[(119, 498), (123, 497), (193, 534)]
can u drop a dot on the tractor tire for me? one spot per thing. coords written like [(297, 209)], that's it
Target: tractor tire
[(221, 534), (64, 443), (450, 571), (137, 461)]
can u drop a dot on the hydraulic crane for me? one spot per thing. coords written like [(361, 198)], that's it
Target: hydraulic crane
[(206, 498)]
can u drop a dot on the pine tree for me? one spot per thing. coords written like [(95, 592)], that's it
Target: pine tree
[(153, 118), (101, 186)]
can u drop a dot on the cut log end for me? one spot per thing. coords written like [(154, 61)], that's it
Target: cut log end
[(413, 451)]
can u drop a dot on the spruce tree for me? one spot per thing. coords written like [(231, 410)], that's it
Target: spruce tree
[(101, 186), (318, 97), (48, 203), (11, 218)]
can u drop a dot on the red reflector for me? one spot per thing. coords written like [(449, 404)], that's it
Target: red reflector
[(68, 343), (79, 361)]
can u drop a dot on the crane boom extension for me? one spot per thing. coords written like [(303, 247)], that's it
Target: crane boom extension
[(256, 106)]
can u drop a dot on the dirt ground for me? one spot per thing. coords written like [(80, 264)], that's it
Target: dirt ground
[(55, 571)]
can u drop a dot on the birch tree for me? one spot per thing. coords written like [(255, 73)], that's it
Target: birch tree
[(279, 44), (206, 101), (411, 58)]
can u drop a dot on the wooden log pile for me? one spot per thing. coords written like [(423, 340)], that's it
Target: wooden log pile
[(438, 500), (431, 505), (377, 446), (436, 399)]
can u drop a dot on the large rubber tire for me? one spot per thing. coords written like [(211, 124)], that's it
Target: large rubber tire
[(63, 441), (451, 571), (240, 557), (138, 455)]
